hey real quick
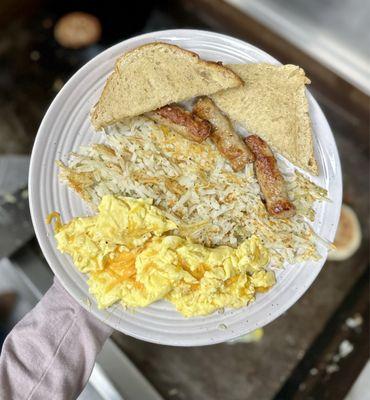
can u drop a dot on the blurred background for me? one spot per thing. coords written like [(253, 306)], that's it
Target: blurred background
[(319, 349)]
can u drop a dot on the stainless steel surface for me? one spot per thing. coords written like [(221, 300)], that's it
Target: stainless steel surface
[(13, 172), (35, 270), (103, 385), (335, 32), (360, 390), (15, 222), (12, 281), (125, 376)]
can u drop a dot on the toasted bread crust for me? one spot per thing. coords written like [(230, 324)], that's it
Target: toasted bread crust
[(273, 105), (101, 117)]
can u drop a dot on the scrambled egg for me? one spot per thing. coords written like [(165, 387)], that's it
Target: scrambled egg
[(130, 256)]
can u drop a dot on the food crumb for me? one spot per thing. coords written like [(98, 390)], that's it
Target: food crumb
[(173, 392), (57, 85), (355, 321), (300, 354), (345, 348), (331, 368), (9, 198), (223, 327), (88, 302), (290, 340), (24, 194), (35, 55), (336, 357), (252, 337)]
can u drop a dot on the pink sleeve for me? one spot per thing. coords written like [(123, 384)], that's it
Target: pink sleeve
[(50, 353)]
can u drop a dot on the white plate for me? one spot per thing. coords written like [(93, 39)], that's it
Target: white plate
[(66, 126)]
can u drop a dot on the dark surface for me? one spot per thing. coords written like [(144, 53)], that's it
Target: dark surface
[(33, 68), (311, 378)]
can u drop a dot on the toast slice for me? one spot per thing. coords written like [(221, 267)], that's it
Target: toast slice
[(273, 105), (154, 75)]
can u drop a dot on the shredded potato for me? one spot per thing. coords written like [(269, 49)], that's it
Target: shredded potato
[(195, 187)]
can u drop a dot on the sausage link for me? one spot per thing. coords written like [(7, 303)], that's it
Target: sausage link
[(183, 122), (228, 142), (271, 181)]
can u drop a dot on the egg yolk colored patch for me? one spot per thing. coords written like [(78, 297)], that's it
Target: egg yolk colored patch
[(130, 256)]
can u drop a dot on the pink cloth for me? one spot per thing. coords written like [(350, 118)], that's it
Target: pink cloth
[(50, 353)]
